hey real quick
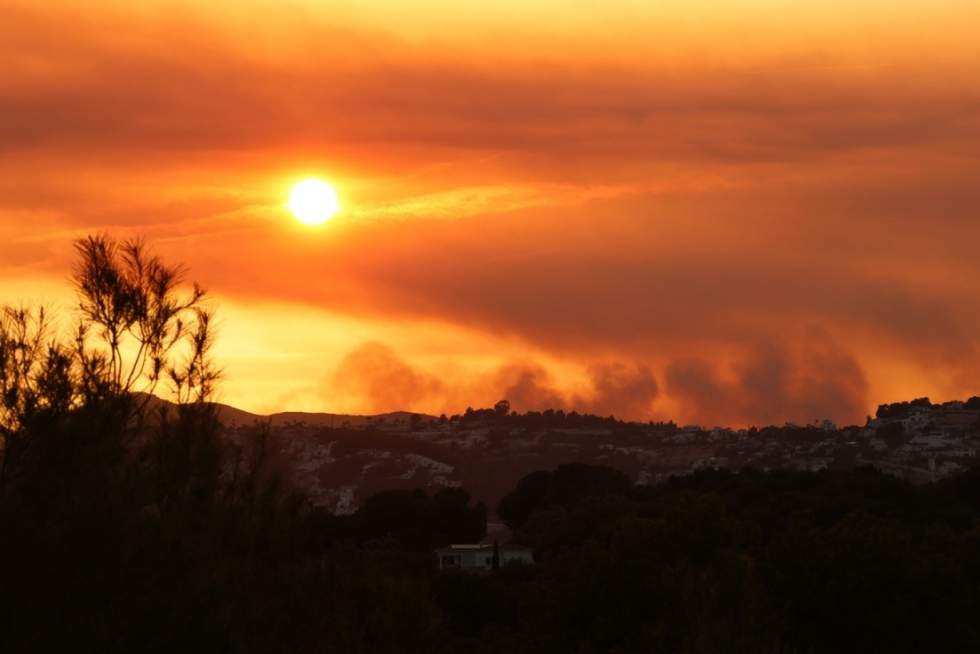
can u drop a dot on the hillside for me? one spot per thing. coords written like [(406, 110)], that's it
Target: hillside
[(339, 460), (232, 417)]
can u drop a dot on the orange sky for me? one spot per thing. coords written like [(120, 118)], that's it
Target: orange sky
[(739, 212)]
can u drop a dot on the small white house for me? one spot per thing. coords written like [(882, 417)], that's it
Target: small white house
[(479, 557)]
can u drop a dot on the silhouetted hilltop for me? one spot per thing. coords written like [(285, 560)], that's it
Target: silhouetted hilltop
[(233, 417), (900, 410), (339, 460)]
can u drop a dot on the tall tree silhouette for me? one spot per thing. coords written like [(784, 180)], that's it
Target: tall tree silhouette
[(134, 330)]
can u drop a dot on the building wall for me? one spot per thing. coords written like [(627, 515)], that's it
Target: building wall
[(481, 558)]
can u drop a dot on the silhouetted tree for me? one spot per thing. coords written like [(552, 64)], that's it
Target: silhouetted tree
[(567, 485), (134, 329), (132, 524)]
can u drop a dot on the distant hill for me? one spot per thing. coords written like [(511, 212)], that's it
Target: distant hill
[(338, 460), (233, 417)]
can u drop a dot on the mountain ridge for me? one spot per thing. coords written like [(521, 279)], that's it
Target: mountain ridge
[(338, 460), (233, 416)]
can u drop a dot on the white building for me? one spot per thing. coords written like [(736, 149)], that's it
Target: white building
[(480, 556)]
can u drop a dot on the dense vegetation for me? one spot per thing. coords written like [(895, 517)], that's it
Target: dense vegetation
[(128, 525), (901, 410), (784, 561)]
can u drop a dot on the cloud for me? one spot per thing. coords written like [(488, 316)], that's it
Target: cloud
[(688, 218), (381, 380), (772, 384), (527, 387), (377, 379), (376, 375), (180, 85), (619, 389)]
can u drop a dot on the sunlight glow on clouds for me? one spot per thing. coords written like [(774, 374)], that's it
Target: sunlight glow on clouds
[(749, 211)]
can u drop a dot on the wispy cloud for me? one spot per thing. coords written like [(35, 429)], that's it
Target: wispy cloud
[(670, 218)]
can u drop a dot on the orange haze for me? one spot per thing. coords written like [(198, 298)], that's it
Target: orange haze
[(738, 212)]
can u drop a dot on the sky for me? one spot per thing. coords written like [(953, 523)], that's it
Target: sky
[(732, 213)]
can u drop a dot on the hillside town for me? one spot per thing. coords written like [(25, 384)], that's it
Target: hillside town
[(340, 460)]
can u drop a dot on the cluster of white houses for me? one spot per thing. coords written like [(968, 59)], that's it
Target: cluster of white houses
[(483, 556)]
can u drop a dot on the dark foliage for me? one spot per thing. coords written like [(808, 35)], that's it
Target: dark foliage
[(499, 417), (567, 486), (836, 561), (130, 525), (412, 523)]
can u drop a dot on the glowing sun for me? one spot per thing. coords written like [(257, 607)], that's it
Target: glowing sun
[(313, 201)]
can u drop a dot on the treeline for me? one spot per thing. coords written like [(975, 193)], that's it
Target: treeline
[(502, 417), (835, 561), (851, 561), (902, 410), (103, 552), (128, 526)]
